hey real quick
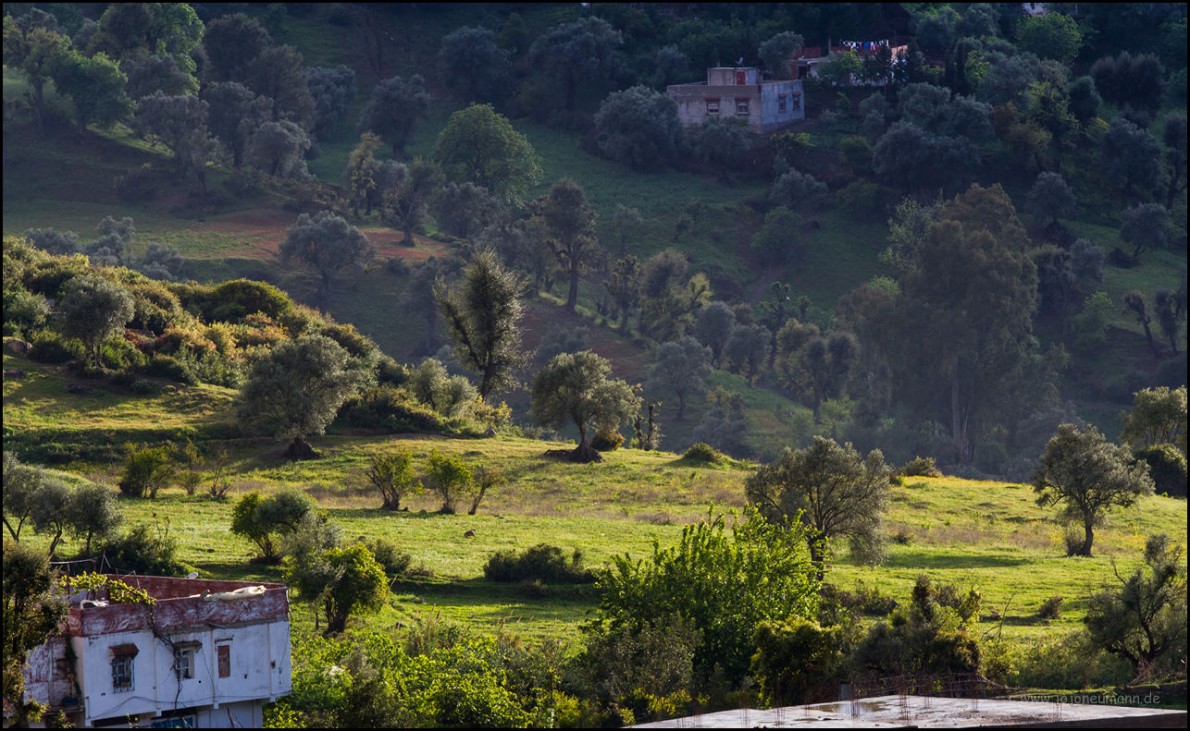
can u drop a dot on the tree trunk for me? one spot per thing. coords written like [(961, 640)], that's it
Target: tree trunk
[(572, 294), (408, 240), (958, 426), (1088, 539), (584, 452), (300, 449)]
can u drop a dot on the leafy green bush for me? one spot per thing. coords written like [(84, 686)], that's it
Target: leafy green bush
[(24, 311), (703, 453), (1051, 608), (607, 440), (920, 467), (1167, 467), (146, 470), (144, 551), (50, 346), (543, 562), (168, 366), (393, 409), (392, 559)]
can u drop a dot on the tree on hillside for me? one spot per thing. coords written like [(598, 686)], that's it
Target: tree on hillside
[(1087, 475), (234, 114), (724, 425), (1131, 81), (33, 609), (91, 512), (959, 336), (1135, 302), (670, 66), (638, 127), (1130, 157), (392, 475), (1084, 99), (333, 90), (796, 189), (394, 109), (779, 240), (94, 309), (296, 389), (406, 205), (574, 52), (33, 46), (362, 170), (1170, 308), (483, 316), (1144, 619), (345, 581), (813, 365), (277, 74), (747, 350), (1158, 416), (776, 51), (179, 123), (279, 149), (680, 367), (576, 388), (915, 160), (570, 227), (1050, 197), (96, 87), (722, 143), (480, 146), (623, 286), (232, 44), (49, 514), (327, 244), (418, 297), (713, 328), (151, 73), (1053, 35), (265, 520), (21, 482), (833, 491), (473, 62), (464, 210)]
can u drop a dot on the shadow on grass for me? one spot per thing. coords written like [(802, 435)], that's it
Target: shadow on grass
[(930, 560), (240, 571)]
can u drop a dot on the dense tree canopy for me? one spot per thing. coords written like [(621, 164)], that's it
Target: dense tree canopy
[(479, 145), (394, 109), (93, 310), (639, 127), (327, 244)]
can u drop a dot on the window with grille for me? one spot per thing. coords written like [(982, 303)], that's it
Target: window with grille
[(713, 105), (122, 673), (741, 107), (224, 657), (782, 102)]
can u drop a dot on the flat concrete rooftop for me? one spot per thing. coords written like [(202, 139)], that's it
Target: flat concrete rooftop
[(912, 711)]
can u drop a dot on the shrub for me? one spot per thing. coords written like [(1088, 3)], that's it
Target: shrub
[(146, 470), (859, 196), (392, 475), (450, 478), (1050, 608), (393, 409), (393, 560), (1167, 467), (920, 467), (542, 562), (233, 301), (143, 551), (607, 440), (263, 520), (704, 453), (50, 346), (23, 311)]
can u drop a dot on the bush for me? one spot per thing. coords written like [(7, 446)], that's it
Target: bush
[(394, 561), (607, 440), (859, 196), (920, 467), (170, 367), (541, 562), (140, 551), (23, 311), (146, 470), (1050, 608), (1167, 467), (50, 346), (703, 453), (393, 409)]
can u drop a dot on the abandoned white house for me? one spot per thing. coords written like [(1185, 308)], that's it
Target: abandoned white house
[(740, 93), (206, 654)]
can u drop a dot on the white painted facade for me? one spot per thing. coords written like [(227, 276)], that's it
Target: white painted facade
[(740, 93), (189, 661)]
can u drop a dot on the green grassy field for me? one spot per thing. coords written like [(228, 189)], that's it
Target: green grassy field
[(986, 535)]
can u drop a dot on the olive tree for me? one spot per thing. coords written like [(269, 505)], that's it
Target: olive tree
[(328, 244), (576, 388), (344, 581), (296, 389), (263, 520), (94, 309), (1086, 474), (830, 489)]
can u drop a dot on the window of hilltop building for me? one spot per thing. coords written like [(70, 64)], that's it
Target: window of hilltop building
[(797, 102), (122, 659), (713, 105), (782, 103), (741, 107), (224, 658), (184, 661)]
